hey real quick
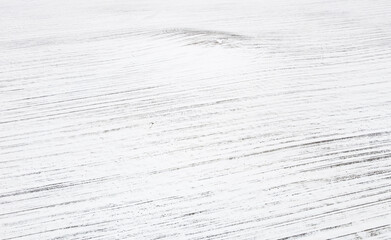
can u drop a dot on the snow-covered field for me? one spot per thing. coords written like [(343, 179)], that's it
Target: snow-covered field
[(201, 119)]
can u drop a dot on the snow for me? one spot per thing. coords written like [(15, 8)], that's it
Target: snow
[(195, 119)]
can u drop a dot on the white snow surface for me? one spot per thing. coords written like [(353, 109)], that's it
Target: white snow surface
[(223, 119)]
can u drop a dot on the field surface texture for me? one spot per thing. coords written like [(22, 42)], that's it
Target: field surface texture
[(196, 119)]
